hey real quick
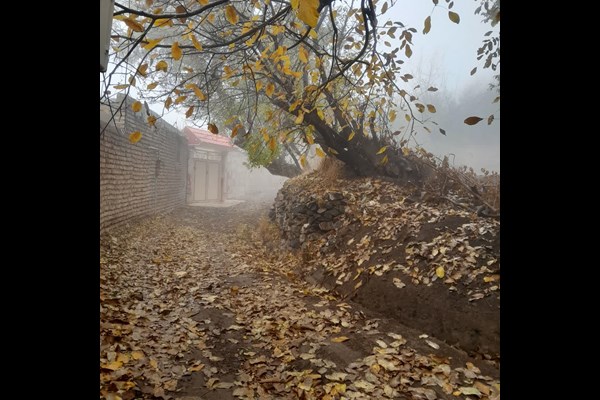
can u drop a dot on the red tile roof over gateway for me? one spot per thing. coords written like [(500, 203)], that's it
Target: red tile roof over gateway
[(202, 136)]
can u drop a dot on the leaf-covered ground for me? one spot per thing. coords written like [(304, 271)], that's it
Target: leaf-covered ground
[(410, 255), (195, 306)]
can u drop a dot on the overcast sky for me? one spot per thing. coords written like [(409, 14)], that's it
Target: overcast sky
[(452, 47)]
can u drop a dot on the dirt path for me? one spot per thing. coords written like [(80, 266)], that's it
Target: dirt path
[(193, 307)]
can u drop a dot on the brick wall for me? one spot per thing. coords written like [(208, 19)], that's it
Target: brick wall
[(130, 184)]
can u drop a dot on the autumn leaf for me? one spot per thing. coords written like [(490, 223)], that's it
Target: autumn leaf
[(303, 160), (113, 366), (235, 130), (181, 10), (136, 106), (161, 66), (180, 99), (176, 51), (431, 108), (151, 44), (142, 69), (319, 152), (473, 70), (299, 118), (307, 12), (472, 120), (203, 2), (189, 112), (398, 283), (269, 89), (427, 27), (384, 8), (196, 368), (168, 102), (213, 129), (470, 390), (454, 17), (303, 54), (309, 138), (272, 143), (490, 119), (340, 339), (197, 91), (439, 271), (134, 25), (120, 87), (196, 43), (408, 51), (443, 132), (151, 86), (231, 15), (163, 22), (151, 120), (135, 137), (381, 150), (351, 135)]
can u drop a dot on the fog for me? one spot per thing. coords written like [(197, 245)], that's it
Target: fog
[(476, 146)]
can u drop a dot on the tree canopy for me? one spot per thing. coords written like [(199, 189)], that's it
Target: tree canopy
[(279, 76)]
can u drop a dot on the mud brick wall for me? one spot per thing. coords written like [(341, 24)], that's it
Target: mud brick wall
[(144, 178)]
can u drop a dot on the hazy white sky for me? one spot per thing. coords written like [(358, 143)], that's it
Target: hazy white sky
[(452, 47)]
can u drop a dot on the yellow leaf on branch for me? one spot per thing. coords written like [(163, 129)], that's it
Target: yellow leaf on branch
[(270, 89), (176, 52), (134, 25), (307, 12), (303, 54), (152, 44), (231, 15), (195, 42), (189, 112), (161, 66)]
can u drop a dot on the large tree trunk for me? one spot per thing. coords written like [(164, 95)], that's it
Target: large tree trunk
[(360, 154)]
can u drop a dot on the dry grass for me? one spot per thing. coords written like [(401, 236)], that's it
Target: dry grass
[(267, 231), (331, 170)]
